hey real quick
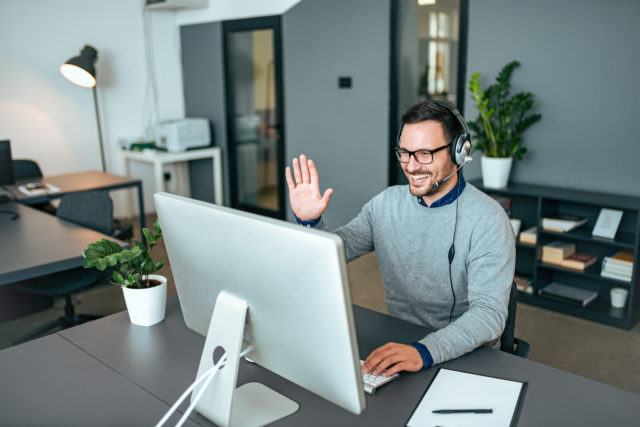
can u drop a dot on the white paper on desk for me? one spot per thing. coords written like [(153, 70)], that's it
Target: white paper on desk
[(37, 189), (461, 390)]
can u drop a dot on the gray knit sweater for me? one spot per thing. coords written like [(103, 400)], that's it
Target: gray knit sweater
[(412, 242)]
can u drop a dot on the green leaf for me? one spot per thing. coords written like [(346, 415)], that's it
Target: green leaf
[(119, 278), (156, 227), (139, 244), (101, 264), (147, 235)]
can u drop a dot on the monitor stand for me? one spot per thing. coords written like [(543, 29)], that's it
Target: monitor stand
[(252, 404)]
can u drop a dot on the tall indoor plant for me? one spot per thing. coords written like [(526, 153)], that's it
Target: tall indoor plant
[(499, 126), (145, 293)]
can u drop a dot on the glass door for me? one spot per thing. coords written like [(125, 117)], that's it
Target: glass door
[(253, 84)]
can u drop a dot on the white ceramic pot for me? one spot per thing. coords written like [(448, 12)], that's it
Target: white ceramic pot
[(495, 171), (146, 306)]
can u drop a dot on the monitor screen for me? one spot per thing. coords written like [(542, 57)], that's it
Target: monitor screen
[(6, 164), (294, 280)]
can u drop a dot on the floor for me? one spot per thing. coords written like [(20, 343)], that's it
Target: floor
[(589, 349)]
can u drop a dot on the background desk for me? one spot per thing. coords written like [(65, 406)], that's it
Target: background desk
[(160, 158), (81, 181), (162, 360), (37, 244)]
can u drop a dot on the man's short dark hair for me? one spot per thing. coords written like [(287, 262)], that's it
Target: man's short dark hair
[(429, 110)]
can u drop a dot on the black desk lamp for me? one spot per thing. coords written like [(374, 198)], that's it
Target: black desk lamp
[(81, 70)]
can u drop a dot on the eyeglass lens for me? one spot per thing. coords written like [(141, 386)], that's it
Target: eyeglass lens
[(422, 156)]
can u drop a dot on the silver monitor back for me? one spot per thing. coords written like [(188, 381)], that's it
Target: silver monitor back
[(299, 321)]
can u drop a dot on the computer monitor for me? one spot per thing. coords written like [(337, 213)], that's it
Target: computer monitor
[(6, 164), (299, 320)]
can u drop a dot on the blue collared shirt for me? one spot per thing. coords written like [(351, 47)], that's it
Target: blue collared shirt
[(448, 198)]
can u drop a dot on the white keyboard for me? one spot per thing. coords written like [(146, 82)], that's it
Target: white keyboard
[(372, 382)]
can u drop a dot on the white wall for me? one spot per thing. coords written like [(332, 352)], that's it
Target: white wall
[(49, 119), (46, 117)]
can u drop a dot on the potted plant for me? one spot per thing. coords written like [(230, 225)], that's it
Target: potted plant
[(145, 294), (499, 126)]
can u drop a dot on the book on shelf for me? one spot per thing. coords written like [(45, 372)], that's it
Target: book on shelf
[(37, 188), (529, 236), (555, 252), (562, 223), (622, 257), (618, 276), (524, 284), (568, 294), (578, 261), (607, 223), (618, 265), (625, 270)]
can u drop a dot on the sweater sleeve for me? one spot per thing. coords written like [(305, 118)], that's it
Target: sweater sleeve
[(490, 268), (357, 234)]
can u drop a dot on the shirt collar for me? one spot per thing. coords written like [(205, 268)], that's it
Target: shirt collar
[(448, 198)]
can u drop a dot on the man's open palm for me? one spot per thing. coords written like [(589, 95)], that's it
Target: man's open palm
[(305, 198)]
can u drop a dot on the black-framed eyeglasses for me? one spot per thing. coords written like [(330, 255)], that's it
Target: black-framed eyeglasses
[(424, 157)]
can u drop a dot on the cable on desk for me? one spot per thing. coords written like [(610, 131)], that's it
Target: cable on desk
[(207, 377)]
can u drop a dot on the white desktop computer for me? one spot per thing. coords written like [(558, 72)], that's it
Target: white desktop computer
[(280, 288)]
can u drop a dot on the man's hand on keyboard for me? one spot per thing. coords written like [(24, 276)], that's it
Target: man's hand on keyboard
[(392, 358)]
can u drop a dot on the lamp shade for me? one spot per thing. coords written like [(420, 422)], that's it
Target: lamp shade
[(81, 69)]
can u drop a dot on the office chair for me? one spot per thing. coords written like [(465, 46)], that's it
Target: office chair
[(508, 342), (24, 170), (91, 209)]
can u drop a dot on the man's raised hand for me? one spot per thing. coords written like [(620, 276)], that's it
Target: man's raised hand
[(305, 198)]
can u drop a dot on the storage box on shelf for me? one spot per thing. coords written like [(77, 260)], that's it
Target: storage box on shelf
[(532, 203)]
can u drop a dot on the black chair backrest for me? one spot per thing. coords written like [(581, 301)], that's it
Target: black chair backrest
[(507, 341), (91, 209), (26, 169)]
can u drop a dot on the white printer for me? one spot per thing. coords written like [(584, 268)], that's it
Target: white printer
[(182, 134)]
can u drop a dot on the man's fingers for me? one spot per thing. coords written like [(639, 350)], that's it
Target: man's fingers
[(287, 175), (296, 171), (313, 173), (327, 196), (304, 166), (398, 367), (377, 356)]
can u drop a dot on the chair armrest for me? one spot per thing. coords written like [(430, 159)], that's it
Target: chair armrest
[(521, 348)]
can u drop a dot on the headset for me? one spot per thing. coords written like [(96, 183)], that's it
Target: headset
[(459, 152)]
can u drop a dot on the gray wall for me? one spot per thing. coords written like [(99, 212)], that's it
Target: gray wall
[(580, 59), (203, 77), (345, 131)]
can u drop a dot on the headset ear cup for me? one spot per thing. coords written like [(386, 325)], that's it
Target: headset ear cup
[(460, 150), (458, 154)]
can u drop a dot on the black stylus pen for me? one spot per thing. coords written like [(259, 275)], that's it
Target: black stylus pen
[(463, 411)]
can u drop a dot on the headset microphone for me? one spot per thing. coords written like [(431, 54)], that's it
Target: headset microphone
[(439, 183)]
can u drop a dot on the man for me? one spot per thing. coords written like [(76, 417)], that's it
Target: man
[(446, 250)]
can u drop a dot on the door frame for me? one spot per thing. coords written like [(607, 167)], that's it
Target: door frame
[(262, 23)]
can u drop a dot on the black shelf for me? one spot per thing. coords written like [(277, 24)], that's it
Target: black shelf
[(531, 203), (622, 240), (591, 273)]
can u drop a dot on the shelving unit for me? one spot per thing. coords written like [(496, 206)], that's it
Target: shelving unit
[(531, 203)]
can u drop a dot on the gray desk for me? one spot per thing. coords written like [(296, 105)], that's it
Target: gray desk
[(163, 361), (37, 244), (81, 181), (52, 382)]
